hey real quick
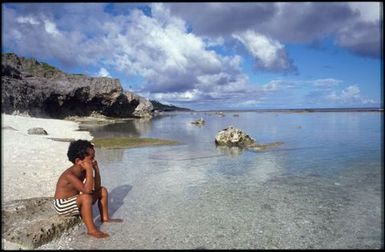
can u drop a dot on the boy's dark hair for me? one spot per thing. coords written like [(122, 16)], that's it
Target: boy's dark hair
[(78, 149)]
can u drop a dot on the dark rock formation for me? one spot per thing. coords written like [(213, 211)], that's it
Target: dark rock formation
[(42, 90), (33, 222)]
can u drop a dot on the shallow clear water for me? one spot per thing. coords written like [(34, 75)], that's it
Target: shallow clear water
[(322, 188)]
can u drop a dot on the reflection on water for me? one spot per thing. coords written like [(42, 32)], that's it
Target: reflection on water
[(110, 155), (322, 188), (232, 151), (127, 128), (182, 155)]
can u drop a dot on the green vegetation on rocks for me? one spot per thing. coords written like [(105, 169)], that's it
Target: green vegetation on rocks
[(129, 142)]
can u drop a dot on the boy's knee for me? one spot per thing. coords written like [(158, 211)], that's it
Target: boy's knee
[(85, 199), (104, 191)]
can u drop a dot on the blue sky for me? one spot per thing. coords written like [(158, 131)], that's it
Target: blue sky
[(212, 55)]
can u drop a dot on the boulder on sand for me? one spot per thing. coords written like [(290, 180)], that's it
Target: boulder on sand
[(37, 131)]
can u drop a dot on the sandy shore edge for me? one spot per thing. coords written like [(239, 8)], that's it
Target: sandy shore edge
[(31, 164)]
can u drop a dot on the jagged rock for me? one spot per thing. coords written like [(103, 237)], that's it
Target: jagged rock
[(199, 122), (233, 137), (42, 90), (220, 114), (18, 113), (37, 131), (144, 109), (33, 222)]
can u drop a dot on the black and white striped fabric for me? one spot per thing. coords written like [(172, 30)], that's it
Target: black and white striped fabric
[(67, 206)]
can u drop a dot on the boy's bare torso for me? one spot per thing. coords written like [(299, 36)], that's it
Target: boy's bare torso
[(64, 188)]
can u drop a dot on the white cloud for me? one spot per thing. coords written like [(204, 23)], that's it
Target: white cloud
[(169, 58), (187, 96), (269, 53), (27, 20), (212, 42), (326, 83), (103, 72), (175, 63), (50, 27), (287, 22), (369, 11), (350, 95)]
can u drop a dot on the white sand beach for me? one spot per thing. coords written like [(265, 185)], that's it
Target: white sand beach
[(31, 164)]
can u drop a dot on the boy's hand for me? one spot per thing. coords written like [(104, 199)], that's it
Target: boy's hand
[(95, 164), (87, 165)]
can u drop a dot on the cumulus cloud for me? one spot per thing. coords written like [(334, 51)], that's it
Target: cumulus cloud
[(174, 63), (27, 20), (175, 52), (223, 19), (103, 72), (170, 59), (269, 53), (355, 26), (348, 96), (326, 83)]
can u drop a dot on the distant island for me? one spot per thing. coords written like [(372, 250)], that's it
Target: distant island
[(305, 110), (163, 107)]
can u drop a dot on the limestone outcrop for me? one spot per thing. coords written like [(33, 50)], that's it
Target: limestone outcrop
[(39, 89), (33, 222), (233, 137), (199, 122)]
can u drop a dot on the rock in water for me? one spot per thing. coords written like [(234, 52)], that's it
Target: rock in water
[(199, 122), (234, 137)]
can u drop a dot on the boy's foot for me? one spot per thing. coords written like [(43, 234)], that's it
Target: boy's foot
[(98, 234), (112, 221)]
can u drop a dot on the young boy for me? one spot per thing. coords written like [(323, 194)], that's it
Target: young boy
[(77, 189)]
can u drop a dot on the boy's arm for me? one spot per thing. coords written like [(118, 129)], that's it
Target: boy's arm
[(97, 176), (87, 186)]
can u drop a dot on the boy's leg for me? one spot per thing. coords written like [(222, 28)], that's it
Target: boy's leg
[(102, 197), (84, 202)]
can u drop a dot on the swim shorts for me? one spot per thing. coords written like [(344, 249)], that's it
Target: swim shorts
[(67, 206)]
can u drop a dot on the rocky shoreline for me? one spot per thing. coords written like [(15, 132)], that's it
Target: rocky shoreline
[(38, 89)]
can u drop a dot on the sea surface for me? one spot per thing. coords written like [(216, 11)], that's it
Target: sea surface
[(321, 188)]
